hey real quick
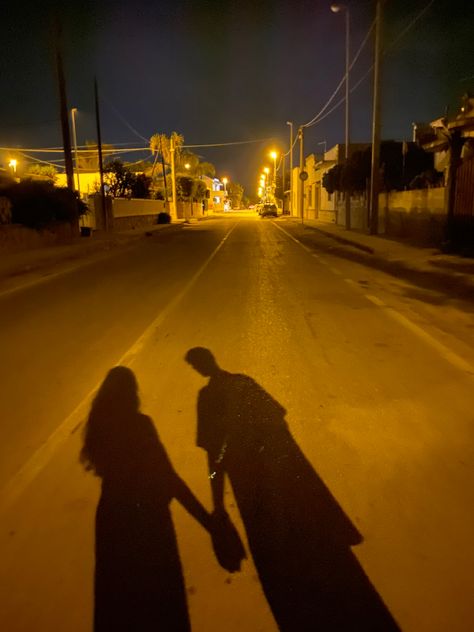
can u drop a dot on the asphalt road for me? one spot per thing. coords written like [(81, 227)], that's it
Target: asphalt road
[(343, 397)]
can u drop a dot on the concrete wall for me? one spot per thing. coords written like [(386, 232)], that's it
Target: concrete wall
[(186, 210), (418, 216), (358, 212), (15, 238), (127, 207)]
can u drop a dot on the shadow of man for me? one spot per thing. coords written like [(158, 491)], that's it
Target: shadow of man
[(299, 536), (138, 576)]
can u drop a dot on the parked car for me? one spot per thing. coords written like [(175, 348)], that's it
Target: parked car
[(268, 210)]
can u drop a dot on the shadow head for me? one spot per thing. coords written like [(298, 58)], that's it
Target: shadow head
[(202, 360)]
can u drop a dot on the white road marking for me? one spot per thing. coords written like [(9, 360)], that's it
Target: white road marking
[(450, 356), (334, 270), (28, 472)]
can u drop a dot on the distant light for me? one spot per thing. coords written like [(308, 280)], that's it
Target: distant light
[(13, 163), (273, 155), (187, 166), (225, 180), (267, 169), (335, 8)]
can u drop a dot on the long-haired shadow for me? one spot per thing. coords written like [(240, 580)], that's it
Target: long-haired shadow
[(299, 536), (138, 576)]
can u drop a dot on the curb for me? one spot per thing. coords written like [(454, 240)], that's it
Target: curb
[(343, 240), (82, 250)]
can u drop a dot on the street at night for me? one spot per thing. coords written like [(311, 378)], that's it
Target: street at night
[(337, 414)]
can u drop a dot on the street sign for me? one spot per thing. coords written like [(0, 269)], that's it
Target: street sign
[(304, 175)]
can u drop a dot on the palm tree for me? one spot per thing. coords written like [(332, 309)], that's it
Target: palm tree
[(160, 145)]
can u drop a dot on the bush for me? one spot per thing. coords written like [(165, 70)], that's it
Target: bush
[(37, 204), (164, 218)]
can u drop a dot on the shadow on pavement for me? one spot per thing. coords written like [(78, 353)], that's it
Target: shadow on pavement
[(138, 576), (299, 536)]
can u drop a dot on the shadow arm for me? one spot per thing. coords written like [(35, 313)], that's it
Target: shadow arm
[(189, 501)]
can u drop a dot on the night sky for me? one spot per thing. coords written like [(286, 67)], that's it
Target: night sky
[(225, 71)]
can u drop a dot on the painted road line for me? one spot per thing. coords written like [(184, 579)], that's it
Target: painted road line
[(352, 283), (335, 270), (297, 241), (450, 356), (43, 455)]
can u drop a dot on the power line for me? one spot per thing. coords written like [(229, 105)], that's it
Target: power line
[(410, 25), (238, 142), (124, 121), (45, 162), (367, 73), (341, 83)]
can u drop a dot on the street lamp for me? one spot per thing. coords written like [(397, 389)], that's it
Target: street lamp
[(13, 164), (225, 181), (187, 166), (74, 140), (336, 8), (291, 166)]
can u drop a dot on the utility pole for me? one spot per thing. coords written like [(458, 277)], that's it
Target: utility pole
[(74, 140), (63, 110), (348, 193), (302, 173), (374, 170), (283, 182), (174, 214), (101, 163), (164, 172), (291, 166)]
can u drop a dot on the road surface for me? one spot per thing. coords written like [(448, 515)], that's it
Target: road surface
[(346, 396)]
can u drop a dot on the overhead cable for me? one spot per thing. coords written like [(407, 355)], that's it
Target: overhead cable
[(367, 73), (341, 83), (124, 121), (237, 142)]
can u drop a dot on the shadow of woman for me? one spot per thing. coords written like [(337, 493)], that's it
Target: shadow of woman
[(138, 576), (299, 536)]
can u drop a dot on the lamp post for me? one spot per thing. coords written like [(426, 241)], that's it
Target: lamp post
[(291, 166), (266, 171), (336, 8), (13, 164), (74, 140), (374, 169), (273, 156)]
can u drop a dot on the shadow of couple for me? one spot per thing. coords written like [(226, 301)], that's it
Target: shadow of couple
[(298, 535)]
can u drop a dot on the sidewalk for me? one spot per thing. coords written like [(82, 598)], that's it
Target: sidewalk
[(424, 264), (23, 268)]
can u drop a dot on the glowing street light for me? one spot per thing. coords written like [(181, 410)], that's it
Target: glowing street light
[(225, 181), (187, 166), (13, 164), (273, 156)]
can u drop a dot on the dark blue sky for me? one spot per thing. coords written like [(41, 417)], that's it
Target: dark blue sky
[(225, 71)]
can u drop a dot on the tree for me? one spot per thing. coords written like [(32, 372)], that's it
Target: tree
[(88, 159), (119, 179), (235, 192), (140, 187), (206, 169), (45, 171), (199, 190), (184, 188), (160, 144)]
